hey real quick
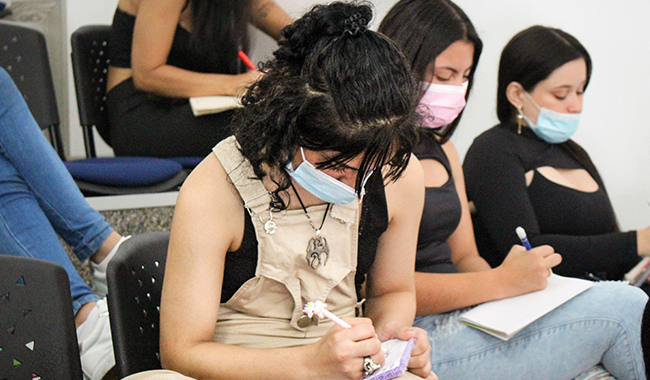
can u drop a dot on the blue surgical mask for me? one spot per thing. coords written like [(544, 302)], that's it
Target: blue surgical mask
[(553, 127), (320, 184)]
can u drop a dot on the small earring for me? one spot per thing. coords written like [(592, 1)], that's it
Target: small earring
[(520, 120)]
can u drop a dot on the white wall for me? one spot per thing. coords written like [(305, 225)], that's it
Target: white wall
[(613, 126)]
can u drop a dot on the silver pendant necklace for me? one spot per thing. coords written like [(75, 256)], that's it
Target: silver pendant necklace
[(317, 246)]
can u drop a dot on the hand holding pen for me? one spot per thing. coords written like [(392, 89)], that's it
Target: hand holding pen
[(360, 338), (419, 348), (249, 77), (524, 241)]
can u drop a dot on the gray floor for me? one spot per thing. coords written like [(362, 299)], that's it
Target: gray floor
[(129, 222)]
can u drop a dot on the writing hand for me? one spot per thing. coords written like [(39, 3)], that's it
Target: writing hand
[(420, 362), (340, 353)]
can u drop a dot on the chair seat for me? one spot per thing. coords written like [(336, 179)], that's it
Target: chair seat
[(124, 171), (119, 175)]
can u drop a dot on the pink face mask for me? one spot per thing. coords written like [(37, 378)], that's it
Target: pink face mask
[(441, 103)]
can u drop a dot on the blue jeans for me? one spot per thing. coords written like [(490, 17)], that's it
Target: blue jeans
[(39, 199), (601, 325)]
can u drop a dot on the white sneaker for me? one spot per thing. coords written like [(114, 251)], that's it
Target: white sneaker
[(99, 270), (95, 343)]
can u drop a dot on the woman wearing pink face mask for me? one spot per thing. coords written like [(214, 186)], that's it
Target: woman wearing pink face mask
[(443, 48)]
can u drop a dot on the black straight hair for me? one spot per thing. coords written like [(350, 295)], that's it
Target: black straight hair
[(423, 29), (223, 23), (530, 57)]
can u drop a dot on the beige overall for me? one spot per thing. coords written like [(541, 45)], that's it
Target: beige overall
[(265, 311)]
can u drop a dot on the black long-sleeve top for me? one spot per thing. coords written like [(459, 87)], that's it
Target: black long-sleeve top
[(579, 225)]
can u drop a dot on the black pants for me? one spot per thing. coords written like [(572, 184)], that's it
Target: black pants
[(142, 124)]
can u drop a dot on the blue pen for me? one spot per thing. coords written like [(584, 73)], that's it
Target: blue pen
[(522, 236), (524, 240)]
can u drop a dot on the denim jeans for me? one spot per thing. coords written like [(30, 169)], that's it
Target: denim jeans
[(601, 325), (39, 199)]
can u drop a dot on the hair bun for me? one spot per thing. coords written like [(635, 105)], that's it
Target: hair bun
[(322, 22), (355, 24)]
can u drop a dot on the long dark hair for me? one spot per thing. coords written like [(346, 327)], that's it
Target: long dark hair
[(529, 58), (423, 29), (221, 22), (332, 85)]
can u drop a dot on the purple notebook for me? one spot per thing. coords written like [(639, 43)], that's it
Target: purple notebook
[(398, 353)]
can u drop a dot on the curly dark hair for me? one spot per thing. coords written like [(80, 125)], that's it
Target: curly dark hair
[(332, 85)]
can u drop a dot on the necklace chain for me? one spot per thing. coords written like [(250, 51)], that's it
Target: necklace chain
[(311, 222), (318, 252)]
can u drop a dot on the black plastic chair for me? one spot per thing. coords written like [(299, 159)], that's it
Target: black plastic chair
[(37, 332), (90, 69), (135, 277), (23, 54)]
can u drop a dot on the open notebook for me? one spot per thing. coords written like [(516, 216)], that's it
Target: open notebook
[(504, 318), (205, 105)]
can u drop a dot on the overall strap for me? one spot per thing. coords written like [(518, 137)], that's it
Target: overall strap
[(251, 189)]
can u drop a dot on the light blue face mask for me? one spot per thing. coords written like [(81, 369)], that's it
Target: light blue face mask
[(553, 127), (320, 184)]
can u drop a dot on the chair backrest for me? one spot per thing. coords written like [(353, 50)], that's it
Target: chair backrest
[(37, 332), (23, 54), (90, 70), (135, 277)]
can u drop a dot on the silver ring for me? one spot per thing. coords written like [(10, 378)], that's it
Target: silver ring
[(369, 367)]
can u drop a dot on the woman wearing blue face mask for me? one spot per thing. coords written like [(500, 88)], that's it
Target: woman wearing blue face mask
[(527, 172), (443, 49), (275, 218)]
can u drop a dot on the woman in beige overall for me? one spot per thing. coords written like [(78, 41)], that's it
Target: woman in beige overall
[(314, 198)]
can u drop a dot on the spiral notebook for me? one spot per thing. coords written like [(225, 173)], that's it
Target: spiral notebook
[(397, 354), (505, 318)]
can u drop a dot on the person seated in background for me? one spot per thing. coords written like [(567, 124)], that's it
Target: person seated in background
[(527, 171), (38, 200), (163, 52), (600, 325), (314, 194)]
